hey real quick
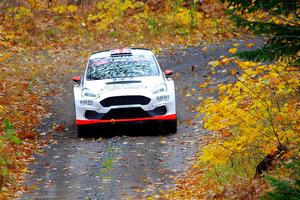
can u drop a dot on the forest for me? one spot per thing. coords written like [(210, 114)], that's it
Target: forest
[(250, 149)]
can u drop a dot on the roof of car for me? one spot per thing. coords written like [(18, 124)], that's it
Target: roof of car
[(120, 52)]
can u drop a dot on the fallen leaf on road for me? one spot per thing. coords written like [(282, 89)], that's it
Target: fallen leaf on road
[(214, 63), (194, 90), (232, 50), (162, 142), (249, 45), (232, 72), (205, 49), (225, 61)]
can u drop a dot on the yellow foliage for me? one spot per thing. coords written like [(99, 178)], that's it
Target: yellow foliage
[(4, 56), (261, 111), (220, 155), (1, 110), (126, 5), (109, 12), (183, 17), (38, 25), (72, 8), (60, 9), (20, 12), (124, 20), (32, 3), (63, 9)]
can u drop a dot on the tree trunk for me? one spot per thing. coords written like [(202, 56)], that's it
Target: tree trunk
[(268, 161), (77, 2)]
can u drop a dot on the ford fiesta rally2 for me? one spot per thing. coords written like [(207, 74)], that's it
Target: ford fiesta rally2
[(124, 85)]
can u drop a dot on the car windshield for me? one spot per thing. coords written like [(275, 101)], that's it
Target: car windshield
[(122, 67)]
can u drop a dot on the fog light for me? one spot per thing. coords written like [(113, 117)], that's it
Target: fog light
[(161, 110)]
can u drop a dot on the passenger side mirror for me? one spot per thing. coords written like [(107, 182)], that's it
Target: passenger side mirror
[(76, 79), (168, 72)]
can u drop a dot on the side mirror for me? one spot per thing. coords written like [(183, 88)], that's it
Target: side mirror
[(76, 79), (168, 72)]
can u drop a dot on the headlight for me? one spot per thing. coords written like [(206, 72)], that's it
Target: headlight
[(160, 88), (88, 93)]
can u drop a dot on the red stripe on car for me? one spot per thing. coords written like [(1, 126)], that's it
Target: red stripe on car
[(97, 121)]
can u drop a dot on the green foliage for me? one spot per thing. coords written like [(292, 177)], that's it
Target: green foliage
[(277, 20), (9, 133), (279, 7), (297, 62), (6, 154), (152, 24), (285, 189)]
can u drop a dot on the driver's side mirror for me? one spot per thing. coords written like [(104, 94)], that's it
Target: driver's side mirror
[(76, 79), (168, 72)]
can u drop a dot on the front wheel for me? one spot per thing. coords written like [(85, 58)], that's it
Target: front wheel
[(82, 131), (171, 126)]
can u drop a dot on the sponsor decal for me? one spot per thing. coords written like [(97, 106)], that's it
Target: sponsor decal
[(163, 98), (123, 86), (86, 102)]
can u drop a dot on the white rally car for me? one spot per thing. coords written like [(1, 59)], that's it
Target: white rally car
[(124, 85)]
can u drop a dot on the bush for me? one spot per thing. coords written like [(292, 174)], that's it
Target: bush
[(285, 189)]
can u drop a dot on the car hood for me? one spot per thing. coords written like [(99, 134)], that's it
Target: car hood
[(124, 86)]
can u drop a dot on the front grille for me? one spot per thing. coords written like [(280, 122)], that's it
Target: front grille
[(125, 113), (125, 100)]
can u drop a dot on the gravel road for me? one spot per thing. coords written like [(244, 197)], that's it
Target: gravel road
[(134, 161)]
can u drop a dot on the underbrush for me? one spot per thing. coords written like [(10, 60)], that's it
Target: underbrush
[(127, 23), (28, 80), (254, 133), (20, 113)]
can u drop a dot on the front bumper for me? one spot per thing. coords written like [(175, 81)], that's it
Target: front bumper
[(93, 112)]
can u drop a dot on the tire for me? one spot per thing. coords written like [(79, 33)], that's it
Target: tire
[(81, 131), (171, 126)]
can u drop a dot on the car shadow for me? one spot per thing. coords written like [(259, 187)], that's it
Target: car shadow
[(113, 130)]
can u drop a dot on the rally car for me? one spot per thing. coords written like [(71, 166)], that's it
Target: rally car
[(124, 85)]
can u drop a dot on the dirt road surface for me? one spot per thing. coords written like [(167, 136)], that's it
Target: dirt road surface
[(133, 161)]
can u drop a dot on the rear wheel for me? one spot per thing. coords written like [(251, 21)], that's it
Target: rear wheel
[(171, 126)]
